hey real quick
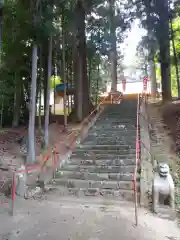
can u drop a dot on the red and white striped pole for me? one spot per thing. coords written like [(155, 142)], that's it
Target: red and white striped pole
[(145, 80), (13, 192), (124, 84)]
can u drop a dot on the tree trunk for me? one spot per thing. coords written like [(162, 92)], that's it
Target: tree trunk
[(46, 122), (17, 101), (39, 110), (82, 101), (2, 110), (64, 76), (175, 60), (32, 109), (40, 91), (164, 45), (97, 87), (152, 76), (71, 81), (45, 72), (89, 77), (152, 67), (165, 71), (1, 23), (176, 68), (113, 52)]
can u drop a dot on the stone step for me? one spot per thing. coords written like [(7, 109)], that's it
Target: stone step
[(109, 124), (102, 142), (104, 147), (119, 115), (111, 130), (100, 162), (115, 125), (111, 134), (111, 137), (101, 156), (117, 122), (109, 194), (104, 163), (128, 110), (115, 119), (95, 176), (166, 212), (120, 138), (125, 110), (108, 151), (98, 169), (78, 183), (108, 141), (114, 122), (122, 118)]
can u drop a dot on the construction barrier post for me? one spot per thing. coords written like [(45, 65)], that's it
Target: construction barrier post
[(13, 192), (54, 153)]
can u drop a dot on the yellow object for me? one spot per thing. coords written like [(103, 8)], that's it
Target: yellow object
[(55, 80), (130, 96)]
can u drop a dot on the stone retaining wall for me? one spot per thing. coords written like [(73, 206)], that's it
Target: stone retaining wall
[(146, 157), (158, 143), (161, 145)]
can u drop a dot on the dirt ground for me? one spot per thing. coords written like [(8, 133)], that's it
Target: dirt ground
[(171, 116), (10, 136), (168, 118), (10, 148), (167, 145), (57, 217), (62, 218)]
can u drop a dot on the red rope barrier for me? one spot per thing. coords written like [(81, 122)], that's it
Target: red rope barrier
[(46, 158), (76, 133)]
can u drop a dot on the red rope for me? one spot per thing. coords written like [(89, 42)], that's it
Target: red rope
[(46, 158)]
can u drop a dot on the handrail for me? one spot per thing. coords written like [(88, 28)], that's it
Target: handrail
[(90, 114), (136, 164), (46, 158), (76, 133), (139, 142)]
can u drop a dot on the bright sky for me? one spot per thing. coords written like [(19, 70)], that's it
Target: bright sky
[(128, 48), (131, 42)]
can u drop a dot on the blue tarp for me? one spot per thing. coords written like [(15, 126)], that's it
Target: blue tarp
[(60, 87)]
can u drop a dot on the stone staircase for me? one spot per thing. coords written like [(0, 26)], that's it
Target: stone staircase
[(103, 164)]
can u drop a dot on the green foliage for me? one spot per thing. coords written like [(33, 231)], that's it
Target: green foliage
[(98, 25), (27, 21), (155, 17), (176, 37)]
